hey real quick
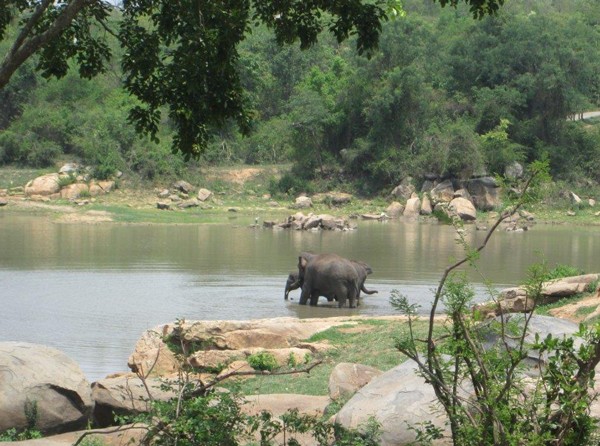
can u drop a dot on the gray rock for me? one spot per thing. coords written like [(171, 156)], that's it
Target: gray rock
[(46, 377), (193, 203), (541, 325), (303, 202), (163, 206), (443, 192), (484, 193), (347, 378), (312, 222), (183, 186), (69, 169), (397, 398), (164, 193), (404, 190), (3, 202)]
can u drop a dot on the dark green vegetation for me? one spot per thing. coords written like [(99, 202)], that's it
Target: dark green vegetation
[(443, 94)]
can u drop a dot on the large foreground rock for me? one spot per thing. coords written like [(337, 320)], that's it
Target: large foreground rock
[(37, 375), (346, 378), (396, 399), (127, 395), (277, 333)]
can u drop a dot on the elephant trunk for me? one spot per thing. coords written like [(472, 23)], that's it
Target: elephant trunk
[(293, 283)]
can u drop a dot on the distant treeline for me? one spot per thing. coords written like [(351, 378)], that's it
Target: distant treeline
[(445, 95)]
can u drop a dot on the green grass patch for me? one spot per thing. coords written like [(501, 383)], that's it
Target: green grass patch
[(370, 342), (14, 177)]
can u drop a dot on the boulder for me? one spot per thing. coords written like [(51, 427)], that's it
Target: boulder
[(193, 203), (183, 186), (73, 191), (346, 378), (3, 202), (69, 169), (43, 185), (426, 208), (443, 192), (107, 185), (303, 202), (339, 198), (42, 376), (127, 395), (204, 194), (312, 222), (514, 300), (395, 209), (163, 206), (404, 190), (540, 325), (398, 398), (484, 193), (413, 207), (163, 193), (463, 208), (332, 223)]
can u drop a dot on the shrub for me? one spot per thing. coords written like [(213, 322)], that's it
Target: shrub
[(263, 361)]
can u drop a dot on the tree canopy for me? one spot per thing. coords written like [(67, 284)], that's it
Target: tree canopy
[(182, 55)]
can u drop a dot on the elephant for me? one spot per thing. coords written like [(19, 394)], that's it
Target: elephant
[(293, 281), (331, 276)]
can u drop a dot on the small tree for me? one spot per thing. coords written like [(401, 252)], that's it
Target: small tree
[(483, 388)]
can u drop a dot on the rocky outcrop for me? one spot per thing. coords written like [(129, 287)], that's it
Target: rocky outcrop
[(40, 377), (398, 398), (346, 378), (516, 300), (299, 222), (237, 338)]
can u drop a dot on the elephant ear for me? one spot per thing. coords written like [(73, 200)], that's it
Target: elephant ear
[(302, 261)]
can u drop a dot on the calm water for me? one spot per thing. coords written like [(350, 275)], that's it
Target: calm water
[(91, 290)]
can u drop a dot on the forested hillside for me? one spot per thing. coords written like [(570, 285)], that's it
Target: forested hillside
[(444, 96)]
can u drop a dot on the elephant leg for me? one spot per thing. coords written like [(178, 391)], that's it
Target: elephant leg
[(314, 298), (304, 296)]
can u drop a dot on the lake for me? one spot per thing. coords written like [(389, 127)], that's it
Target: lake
[(91, 290)]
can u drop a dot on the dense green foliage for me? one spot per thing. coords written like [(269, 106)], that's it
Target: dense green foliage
[(443, 95)]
